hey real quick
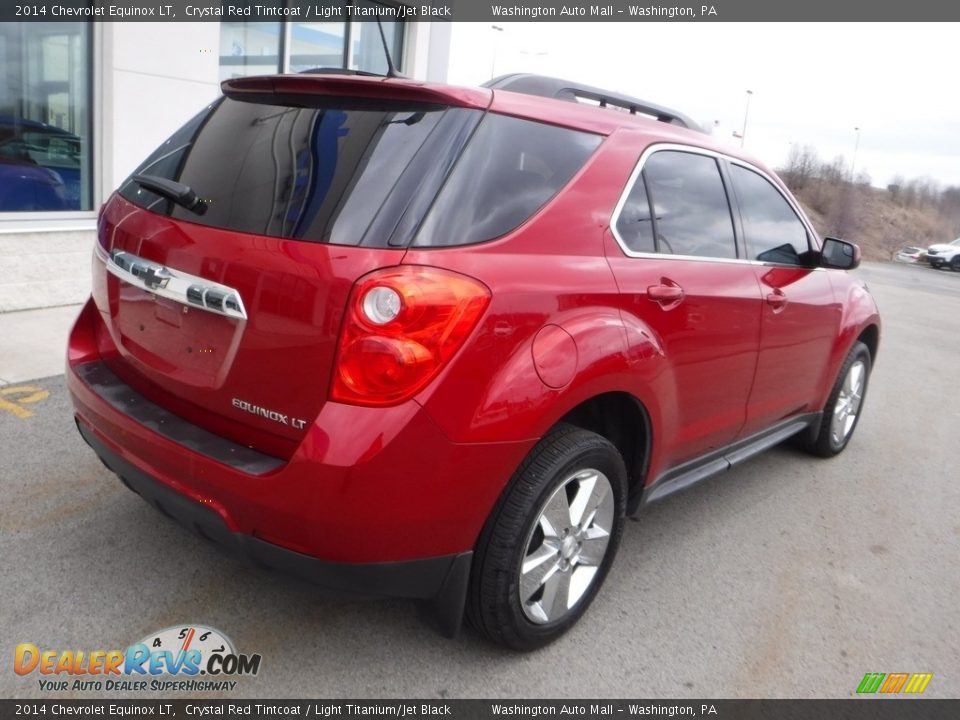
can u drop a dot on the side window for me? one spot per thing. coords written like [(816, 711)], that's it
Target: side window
[(691, 212), (772, 229), (509, 170), (635, 224)]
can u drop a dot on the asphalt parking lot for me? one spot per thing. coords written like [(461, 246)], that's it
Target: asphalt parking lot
[(788, 576)]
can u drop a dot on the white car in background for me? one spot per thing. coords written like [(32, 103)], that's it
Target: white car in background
[(945, 255), (910, 254)]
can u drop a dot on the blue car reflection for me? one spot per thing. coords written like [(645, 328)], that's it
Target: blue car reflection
[(39, 166)]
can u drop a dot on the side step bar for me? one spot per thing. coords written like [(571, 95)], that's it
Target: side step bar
[(689, 474)]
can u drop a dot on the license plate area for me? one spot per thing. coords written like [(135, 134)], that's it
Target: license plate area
[(186, 343)]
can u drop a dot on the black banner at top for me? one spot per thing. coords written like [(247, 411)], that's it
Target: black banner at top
[(477, 11)]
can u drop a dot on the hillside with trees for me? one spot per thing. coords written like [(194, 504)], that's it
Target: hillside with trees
[(908, 212)]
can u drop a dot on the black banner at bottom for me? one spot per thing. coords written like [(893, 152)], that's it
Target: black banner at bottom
[(852, 709)]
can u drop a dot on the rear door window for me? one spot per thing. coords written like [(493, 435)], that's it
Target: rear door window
[(691, 211)]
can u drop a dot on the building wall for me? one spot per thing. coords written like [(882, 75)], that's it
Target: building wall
[(149, 78)]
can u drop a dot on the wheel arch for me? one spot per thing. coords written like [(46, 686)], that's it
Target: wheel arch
[(621, 418), (870, 336)]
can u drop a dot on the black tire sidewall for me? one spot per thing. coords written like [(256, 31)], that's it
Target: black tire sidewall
[(537, 484), (859, 351)]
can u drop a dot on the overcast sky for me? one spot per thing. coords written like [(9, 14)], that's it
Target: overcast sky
[(812, 83)]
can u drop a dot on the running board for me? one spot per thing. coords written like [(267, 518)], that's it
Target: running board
[(690, 473)]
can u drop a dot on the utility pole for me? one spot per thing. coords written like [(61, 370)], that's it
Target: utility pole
[(853, 165), (746, 114)]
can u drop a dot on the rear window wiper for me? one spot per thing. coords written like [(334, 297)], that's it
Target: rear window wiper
[(174, 191)]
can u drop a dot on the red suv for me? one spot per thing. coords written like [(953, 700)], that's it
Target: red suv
[(434, 342)]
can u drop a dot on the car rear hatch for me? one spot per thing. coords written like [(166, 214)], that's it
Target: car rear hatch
[(225, 261)]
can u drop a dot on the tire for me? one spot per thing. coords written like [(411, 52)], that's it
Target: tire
[(839, 423), (955, 263), (568, 468)]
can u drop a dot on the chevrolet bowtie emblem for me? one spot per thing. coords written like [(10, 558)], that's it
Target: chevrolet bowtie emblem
[(152, 277)]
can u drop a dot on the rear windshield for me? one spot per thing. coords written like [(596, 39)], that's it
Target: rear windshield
[(362, 173)]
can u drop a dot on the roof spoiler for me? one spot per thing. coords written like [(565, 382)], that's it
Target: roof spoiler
[(261, 87), (551, 87)]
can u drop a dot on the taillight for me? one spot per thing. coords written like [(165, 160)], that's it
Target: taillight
[(402, 325)]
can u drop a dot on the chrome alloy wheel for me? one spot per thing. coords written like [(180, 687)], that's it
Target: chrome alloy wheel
[(848, 402), (566, 546)]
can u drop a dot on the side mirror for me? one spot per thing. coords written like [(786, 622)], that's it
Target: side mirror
[(839, 254)]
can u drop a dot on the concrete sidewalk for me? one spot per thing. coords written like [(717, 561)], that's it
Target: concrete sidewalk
[(33, 343)]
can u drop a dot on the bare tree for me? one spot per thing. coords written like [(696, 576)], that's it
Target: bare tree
[(802, 166)]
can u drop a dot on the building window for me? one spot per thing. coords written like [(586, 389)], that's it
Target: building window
[(250, 48), (366, 48), (255, 48), (315, 45), (45, 158)]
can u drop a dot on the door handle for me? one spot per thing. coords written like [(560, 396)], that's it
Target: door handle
[(667, 294), (777, 299)]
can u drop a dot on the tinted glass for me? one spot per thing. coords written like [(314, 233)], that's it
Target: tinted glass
[(45, 161), (773, 231), (510, 169), (692, 216), (333, 174), (634, 224)]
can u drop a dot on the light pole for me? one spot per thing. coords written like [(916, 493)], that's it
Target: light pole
[(853, 165), (496, 47), (746, 114)]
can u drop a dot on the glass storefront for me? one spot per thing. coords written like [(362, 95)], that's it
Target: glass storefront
[(45, 149), (250, 48), (46, 160), (315, 45), (258, 48)]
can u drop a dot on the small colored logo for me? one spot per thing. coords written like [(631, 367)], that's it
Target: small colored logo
[(893, 683), (184, 651)]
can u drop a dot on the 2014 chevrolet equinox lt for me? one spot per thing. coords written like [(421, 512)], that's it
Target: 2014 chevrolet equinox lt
[(434, 342)]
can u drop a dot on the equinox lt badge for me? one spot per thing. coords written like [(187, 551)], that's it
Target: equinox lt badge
[(295, 423)]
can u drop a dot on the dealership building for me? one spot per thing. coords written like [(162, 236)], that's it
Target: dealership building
[(82, 104)]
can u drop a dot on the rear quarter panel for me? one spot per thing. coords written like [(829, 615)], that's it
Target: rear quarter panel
[(550, 271)]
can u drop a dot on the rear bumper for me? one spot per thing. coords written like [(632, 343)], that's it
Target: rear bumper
[(440, 580)]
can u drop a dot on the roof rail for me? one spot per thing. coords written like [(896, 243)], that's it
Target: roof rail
[(551, 87), (338, 71)]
